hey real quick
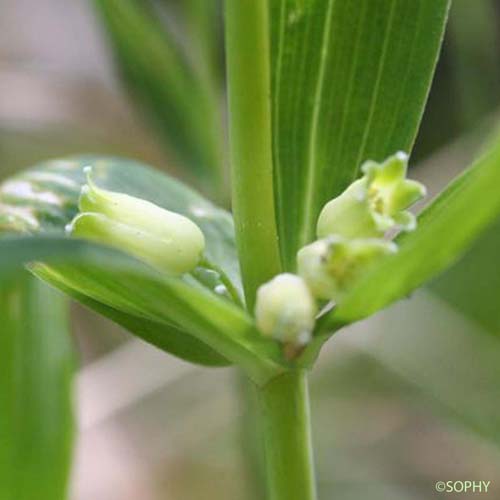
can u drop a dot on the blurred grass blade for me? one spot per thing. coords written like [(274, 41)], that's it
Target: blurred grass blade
[(36, 417), (472, 286), (450, 360), (123, 283), (474, 40), (204, 31), (165, 84), (447, 228), (349, 83)]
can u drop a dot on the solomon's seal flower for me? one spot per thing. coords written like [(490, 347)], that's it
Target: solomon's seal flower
[(373, 204), (166, 240), (285, 309), (329, 266)]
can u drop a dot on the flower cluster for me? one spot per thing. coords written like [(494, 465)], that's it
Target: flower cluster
[(353, 232)]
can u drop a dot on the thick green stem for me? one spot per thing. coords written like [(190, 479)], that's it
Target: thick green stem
[(247, 46), (284, 411), (283, 402)]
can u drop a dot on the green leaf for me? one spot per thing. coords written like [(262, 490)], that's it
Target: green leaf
[(447, 228), (36, 420), (216, 322), (349, 83), (121, 282), (167, 336), (167, 86)]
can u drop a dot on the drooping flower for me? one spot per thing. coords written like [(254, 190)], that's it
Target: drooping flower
[(166, 240)]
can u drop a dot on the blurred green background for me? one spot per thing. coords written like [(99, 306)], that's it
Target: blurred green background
[(412, 399)]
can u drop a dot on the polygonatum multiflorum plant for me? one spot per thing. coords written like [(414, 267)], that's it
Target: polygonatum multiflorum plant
[(325, 99)]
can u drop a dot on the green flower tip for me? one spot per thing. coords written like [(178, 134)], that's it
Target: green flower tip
[(375, 203), (330, 266), (164, 239), (285, 310)]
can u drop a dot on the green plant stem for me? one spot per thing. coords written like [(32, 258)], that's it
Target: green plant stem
[(247, 46), (285, 422), (283, 402)]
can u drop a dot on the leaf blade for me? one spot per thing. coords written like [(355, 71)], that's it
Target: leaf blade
[(122, 282), (169, 338)]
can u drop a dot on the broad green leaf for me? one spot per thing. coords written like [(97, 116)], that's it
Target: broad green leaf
[(168, 87), (349, 82), (165, 335), (36, 417), (121, 282), (447, 228)]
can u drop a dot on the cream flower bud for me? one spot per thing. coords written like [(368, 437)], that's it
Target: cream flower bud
[(164, 239), (285, 309), (373, 204), (329, 266)]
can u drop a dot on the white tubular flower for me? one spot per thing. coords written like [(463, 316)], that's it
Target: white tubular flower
[(286, 310), (164, 239)]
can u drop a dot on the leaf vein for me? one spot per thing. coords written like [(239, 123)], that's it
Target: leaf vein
[(311, 167), (376, 88)]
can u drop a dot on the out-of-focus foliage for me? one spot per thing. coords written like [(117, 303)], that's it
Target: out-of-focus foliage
[(179, 93), (475, 40), (473, 285), (36, 400), (465, 90)]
